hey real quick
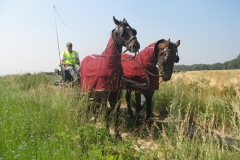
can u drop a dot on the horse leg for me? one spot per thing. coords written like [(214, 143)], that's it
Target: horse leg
[(99, 103), (96, 105), (107, 111), (148, 94), (138, 101), (114, 102), (128, 100)]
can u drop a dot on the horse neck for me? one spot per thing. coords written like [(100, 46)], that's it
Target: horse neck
[(146, 56), (112, 48)]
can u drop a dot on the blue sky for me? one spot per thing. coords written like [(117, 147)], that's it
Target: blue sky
[(209, 30)]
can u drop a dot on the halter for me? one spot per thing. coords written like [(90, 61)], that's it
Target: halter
[(164, 58), (120, 29)]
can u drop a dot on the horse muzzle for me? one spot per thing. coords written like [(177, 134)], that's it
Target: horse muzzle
[(166, 76), (133, 45)]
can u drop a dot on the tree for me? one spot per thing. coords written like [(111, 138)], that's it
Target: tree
[(233, 64)]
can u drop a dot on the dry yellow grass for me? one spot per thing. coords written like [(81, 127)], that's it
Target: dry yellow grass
[(221, 80), (213, 78)]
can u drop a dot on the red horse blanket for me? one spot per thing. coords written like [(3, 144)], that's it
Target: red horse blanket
[(101, 72), (135, 68)]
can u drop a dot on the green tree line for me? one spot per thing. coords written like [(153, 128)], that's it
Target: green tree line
[(232, 64)]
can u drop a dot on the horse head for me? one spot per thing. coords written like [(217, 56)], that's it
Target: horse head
[(125, 35), (167, 55)]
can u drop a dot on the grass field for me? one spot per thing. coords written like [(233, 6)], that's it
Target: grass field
[(40, 121)]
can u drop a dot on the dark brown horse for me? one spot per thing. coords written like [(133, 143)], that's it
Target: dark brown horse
[(100, 73), (141, 74)]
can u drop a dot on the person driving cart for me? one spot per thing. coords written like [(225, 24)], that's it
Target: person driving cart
[(71, 62)]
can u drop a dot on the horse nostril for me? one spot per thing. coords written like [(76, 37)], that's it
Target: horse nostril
[(136, 45)]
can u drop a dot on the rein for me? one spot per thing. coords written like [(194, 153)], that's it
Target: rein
[(143, 86), (147, 70), (108, 56), (162, 54)]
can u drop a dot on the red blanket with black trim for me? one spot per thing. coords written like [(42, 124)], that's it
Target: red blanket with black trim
[(101, 72), (134, 68)]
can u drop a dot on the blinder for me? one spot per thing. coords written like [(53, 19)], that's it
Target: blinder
[(164, 57), (120, 30), (177, 59)]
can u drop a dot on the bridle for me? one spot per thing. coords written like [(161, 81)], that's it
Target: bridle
[(165, 58), (120, 31)]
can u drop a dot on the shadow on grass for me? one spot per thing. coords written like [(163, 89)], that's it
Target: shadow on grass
[(159, 123)]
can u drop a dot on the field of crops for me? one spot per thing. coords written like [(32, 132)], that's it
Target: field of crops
[(197, 117)]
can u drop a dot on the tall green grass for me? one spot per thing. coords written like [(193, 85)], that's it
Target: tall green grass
[(42, 121)]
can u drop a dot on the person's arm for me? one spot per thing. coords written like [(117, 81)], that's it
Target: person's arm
[(78, 61), (63, 59), (63, 63)]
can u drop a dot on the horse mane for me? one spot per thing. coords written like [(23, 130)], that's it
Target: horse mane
[(156, 48)]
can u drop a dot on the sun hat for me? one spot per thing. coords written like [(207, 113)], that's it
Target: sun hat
[(69, 44)]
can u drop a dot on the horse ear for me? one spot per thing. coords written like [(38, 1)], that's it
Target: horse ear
[(116, 21), (168, 41), (124, 20), (177, 43)]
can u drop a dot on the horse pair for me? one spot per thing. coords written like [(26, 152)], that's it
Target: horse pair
[(101, 74)]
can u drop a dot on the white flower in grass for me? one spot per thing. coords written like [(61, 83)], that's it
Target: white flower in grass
[(73, 153)]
